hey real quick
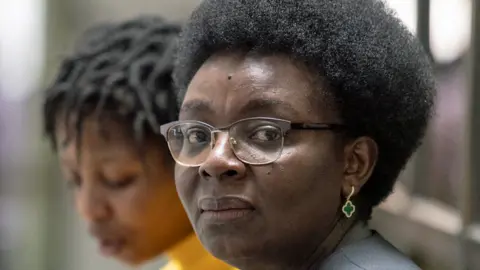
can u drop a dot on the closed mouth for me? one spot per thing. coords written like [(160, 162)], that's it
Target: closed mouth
[(111, 247), (225, 209), (225, 203)]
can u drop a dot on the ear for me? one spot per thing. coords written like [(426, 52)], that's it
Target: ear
[(360, 158)]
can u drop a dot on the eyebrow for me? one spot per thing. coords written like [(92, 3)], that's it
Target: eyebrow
[(269, 104), (64, 143), (196, 106), (258, 104)]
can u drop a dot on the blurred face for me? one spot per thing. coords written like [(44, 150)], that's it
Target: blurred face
[(279, 212), (128, 201)]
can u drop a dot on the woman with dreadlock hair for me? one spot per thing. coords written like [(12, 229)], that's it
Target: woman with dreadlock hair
[(102, 114)]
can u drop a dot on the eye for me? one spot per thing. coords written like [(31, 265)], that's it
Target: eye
[(176, 133), (197, 136), (74, 182), (266, 134), (120, 184)]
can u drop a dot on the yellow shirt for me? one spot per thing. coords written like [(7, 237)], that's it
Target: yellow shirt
[(191, 255)]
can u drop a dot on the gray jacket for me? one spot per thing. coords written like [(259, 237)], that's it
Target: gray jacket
[(367, 250)]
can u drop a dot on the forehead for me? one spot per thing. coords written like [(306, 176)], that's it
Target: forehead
[(236, 84), (106, 137)]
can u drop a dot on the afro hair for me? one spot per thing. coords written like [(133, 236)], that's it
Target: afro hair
[(379, 75)]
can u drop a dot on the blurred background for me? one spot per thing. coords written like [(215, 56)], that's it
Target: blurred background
[(433, 215)]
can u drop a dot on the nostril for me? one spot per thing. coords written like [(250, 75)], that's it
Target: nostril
[(231, 173), (228, 173), (205, 173)]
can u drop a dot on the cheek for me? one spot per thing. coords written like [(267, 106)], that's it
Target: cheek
[(132, 207), (302, 184), (135, 208), (186, 181), (79, 204)]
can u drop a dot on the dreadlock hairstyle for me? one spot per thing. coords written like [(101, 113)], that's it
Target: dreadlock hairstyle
[(122, 68)]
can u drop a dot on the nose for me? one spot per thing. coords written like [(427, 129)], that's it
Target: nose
[(92, 204), (222, 162)]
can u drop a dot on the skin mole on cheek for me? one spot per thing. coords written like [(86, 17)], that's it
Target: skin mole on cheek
[(270, 169), (229, 76)]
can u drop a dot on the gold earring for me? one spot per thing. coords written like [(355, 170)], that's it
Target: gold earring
[(349, 208)]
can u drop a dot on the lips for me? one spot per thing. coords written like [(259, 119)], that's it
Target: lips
[(109, 244), (226, 203), (111, 247), (225, 209)]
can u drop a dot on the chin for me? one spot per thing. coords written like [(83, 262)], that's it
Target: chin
[(133, 260), (232, 249)]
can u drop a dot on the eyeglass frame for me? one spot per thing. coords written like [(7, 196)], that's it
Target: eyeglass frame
[(283, 124)]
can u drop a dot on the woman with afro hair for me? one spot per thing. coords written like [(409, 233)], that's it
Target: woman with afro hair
[(296, 118)]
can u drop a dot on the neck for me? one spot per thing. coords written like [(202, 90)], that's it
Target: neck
[(343, 232), (336, 236), (318, 253), (304, 258)]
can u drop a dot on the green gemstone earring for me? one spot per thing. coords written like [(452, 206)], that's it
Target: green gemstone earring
[(349, 208)]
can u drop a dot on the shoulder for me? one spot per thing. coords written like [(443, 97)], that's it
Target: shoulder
[(371, 253)]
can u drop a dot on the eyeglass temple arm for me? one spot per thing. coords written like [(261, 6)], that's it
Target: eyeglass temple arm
[(316, 126)]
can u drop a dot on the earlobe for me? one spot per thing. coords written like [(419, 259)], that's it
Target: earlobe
[(360, 158)]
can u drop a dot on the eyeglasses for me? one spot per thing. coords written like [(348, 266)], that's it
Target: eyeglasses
[(255, 141)]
